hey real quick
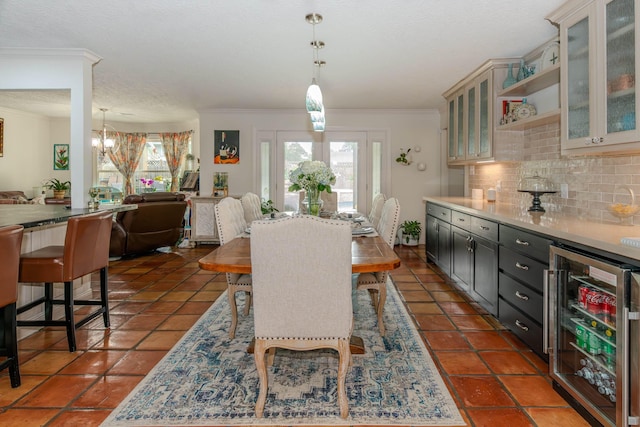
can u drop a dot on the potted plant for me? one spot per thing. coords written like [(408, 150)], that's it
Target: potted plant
[(267, 207), (410, 232), (59, 187)]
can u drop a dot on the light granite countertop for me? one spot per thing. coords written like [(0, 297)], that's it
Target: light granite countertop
[(31, 216), (598, 235)]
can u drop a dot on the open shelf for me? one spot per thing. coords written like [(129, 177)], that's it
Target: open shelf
[(538, 81), (552, 116)]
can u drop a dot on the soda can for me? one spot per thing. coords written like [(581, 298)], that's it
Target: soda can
[(583, 290), (609, 353), (581, 334), (609, 309), (593, 343), (594, 302)]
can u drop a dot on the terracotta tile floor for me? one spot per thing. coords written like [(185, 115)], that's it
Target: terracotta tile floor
[(494, 378)]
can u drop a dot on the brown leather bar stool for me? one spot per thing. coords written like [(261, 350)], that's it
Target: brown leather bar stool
[(10, 244), (85, 250)]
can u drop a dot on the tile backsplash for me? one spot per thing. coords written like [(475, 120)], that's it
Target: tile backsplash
[(593, 182)]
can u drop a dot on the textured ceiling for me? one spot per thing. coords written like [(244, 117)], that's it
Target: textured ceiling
[(163, 60)]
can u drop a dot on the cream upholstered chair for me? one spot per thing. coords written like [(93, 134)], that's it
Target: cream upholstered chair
[(376, 283), (329, 201), (230, 222), (302, 299), (252, 207), (376, 209)]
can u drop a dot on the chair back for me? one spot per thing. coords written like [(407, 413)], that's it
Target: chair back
[(301, 270), (389, 221), (251, 206), (86, 245), (10, 245), (376, 209), (229, 219)]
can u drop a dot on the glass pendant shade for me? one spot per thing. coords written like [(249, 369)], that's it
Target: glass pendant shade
[(314, 97), (318, 126), (317, 116)]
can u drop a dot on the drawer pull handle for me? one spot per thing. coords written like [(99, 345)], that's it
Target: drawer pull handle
[(522, 242), (522, 266), (461, 219), (523, 297), (522, 326), (484, 228), (443, 213)]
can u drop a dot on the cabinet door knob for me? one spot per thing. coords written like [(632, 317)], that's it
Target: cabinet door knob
[(522, 326), (522, 266), (523, 297), (522, 242)]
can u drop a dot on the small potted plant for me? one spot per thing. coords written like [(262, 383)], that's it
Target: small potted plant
[(59, 187), (410, 232), (267, 208)]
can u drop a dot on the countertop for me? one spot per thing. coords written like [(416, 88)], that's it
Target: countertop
[(599, 235), (31, 216)]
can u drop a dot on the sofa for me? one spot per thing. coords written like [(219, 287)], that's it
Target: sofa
[(158, 222), (13, 197)]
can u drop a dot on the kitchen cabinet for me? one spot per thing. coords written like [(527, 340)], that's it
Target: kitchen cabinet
[(438, 238), (523, 258), (598, 48)]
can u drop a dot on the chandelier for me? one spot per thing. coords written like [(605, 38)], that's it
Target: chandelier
[(103, 143), (314, 103)]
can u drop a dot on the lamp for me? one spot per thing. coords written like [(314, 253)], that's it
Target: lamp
[(314, 102), (103, 143)]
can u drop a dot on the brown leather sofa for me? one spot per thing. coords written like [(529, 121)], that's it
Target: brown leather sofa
[(158, 222)]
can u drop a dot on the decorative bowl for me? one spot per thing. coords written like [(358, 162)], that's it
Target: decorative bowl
[(623, 210)]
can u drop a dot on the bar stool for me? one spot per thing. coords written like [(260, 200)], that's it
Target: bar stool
[(85, 250), (10, 244)]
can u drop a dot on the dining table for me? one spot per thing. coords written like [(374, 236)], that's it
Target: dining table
[(368, 255)]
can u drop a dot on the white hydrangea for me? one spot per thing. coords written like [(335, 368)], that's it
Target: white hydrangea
[(312, 175)]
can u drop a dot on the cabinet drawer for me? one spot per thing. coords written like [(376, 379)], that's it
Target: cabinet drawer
[(533, 245), (521, 325), (439, 212), (523, 298), (485, 228), (461, 220), (523, 268)]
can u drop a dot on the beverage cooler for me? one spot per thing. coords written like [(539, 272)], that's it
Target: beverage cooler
[(593, 311)]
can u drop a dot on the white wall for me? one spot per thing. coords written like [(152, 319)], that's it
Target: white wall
[(405, 129)]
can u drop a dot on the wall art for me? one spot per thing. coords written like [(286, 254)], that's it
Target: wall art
[(226, 147), (60, 157)]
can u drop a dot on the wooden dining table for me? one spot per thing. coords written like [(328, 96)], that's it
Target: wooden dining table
[(368, 255)]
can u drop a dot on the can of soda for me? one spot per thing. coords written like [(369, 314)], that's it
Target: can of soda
[(583, 290), (609, 309), (581, 334), (593, 342), (594, 302)]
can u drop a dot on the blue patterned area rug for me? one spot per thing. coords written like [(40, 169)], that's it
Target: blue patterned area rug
[(206, 379)]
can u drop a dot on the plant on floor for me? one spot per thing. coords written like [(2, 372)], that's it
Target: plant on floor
[(411, 230)]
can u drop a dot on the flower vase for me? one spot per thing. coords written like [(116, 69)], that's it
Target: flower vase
[(521, 70), (510, 78), (313, 202)]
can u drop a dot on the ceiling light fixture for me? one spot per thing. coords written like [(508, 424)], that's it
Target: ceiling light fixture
[(314, 102), (103, 143)]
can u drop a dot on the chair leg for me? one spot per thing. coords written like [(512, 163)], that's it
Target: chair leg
[(382, 297), (261, 368), (48, 305), (11, 343), (234, 312), (68, 315), (247, 303), (104, 296), (345, 357)]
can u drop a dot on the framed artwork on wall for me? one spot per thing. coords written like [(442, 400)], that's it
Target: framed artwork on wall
[(226, 147), (60, 157), (1, 137)]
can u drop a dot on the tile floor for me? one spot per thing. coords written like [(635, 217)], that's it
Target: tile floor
[(494, 378)]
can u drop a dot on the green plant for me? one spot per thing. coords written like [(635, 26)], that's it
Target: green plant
[(402, 158), (267, 207), (411, 229), (57, 185)]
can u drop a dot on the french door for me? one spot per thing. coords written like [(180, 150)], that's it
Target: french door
[(354, 157)]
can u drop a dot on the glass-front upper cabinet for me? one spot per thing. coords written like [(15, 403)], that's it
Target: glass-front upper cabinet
[(479, 118), (456, 140), (599, 99)]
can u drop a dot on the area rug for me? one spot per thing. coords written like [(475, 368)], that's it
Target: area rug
[(207, 379)]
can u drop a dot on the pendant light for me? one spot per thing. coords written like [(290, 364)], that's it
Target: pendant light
[(314, 102), (103, 143)]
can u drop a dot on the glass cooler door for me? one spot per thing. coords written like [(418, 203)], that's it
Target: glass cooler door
[(586, 335)]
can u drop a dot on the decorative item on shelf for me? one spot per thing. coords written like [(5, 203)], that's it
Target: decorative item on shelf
[(510, 80), (314, 177), (550, 55), (537, 186), (529, 70), (524, 110), (59, 187), (410, 232), (404, 158), (521, 75), (624, 211)]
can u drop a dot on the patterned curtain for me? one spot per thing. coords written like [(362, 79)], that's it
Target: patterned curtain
[(125, 155), (175, 147)]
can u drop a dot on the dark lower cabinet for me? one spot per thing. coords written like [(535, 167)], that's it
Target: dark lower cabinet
[(438, 243)]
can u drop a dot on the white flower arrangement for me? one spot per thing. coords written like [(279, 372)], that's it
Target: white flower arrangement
[(312, 175)]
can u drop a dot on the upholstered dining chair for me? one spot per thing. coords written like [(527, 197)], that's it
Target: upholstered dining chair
[(85, 250), (376, 283), (10, 244), (376, 209), (251, 206), (302, 299), (231, 223), (329, 201)]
